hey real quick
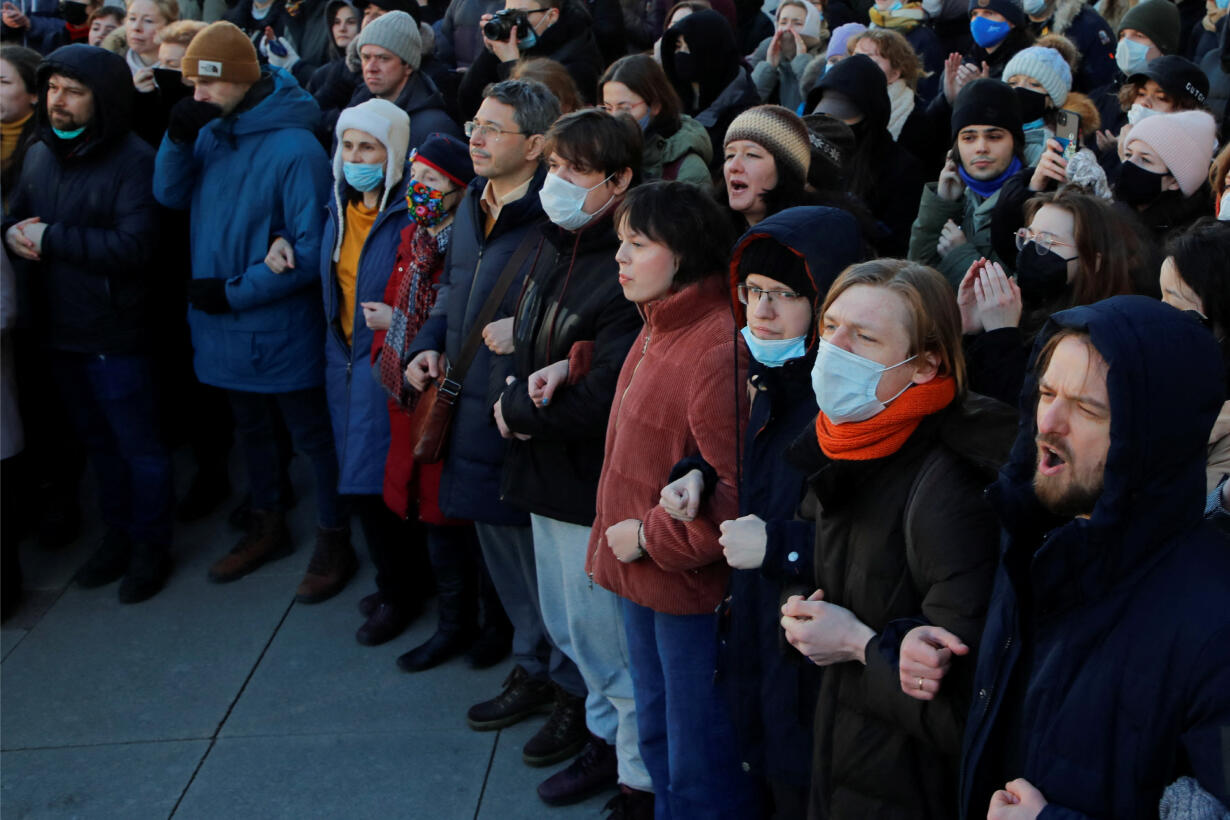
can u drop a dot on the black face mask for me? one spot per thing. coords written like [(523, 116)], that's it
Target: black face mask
[(685, 67), (74, 13), (1033, 104), (1042, 278), (1137, 186)]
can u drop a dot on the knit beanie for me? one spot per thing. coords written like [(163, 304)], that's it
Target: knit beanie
[(1156, 19), (221, 51), (1184, 141), (396, 32), (1177, 76), (448, 155), (387, 123), (768, 257), (988, 102), (1010, 9), (1047, 66), (840, 40), (779, 131)]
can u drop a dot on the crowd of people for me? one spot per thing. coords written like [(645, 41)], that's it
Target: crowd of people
[(824, 403)]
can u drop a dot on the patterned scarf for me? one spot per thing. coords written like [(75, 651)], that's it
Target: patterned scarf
[(415, 298)]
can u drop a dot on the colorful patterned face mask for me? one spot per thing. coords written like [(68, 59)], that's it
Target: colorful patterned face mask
[(426, 204)]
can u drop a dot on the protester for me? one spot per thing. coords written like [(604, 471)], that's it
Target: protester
[(768, 155), (334, 83), (1092, 36), (1165, 85), (103, 20), (675, 146), (1042, 81), (1164, 178), (256, 333), (12, 444), (953, 227), (491, 233), (18, 125), (1149, 30), (999, 29), (896, 459), (1192, 279), (91, 261), (674, 399), (572, 298), (780, 60), (144, 20), (1106, 565), (909, 21), (907, 122)]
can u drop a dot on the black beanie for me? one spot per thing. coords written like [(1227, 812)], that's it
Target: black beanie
[(989, 102), (768, 257)]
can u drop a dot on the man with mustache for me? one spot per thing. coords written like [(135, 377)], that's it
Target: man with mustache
[(1104, 668)]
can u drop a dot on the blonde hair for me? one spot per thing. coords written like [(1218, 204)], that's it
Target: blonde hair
[(893, 47), (180, 32), (169, 9)]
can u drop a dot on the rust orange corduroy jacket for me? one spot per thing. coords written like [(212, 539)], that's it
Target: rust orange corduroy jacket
[(676, 397)]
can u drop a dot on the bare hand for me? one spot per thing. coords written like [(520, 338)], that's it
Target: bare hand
[(281, 256), (543, 383), (967, 302), (950, 187), (1018, 800), (926, 654), (799, 46), (624, 540), (13, 17), (20, 242), (952, 65), (498, 412), (423, 369), (999, 298), (377, 315), (774, 55), (1051, 167), (743, 542), (681, 498), (498, 336), (967, 73), (951, 236), (505, 50), (144, 80), (824, 632)]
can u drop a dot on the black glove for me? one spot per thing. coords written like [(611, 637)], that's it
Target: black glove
[(188, 117), (208, 295)]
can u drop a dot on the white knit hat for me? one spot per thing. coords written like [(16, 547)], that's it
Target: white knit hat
[(391, 126), (397, 32), (1185, 141), (1047, 66)]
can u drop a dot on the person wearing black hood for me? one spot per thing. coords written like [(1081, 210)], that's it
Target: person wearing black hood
[(702, 62), (882, 173), (779, 273), (953, 228), (559, 29), (333, 84), (88, 224)]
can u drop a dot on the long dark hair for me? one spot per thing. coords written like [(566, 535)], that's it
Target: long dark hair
[(644, 77)]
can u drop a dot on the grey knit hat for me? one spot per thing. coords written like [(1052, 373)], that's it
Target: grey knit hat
[(1047, 66), (397, 32)]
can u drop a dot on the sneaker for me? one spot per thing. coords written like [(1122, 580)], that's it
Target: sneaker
[(266, 540), (562, 736), (522, 696), (630, 804), (108, 563), (594, 770)]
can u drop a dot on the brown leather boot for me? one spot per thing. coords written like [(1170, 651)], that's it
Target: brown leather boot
[(333, 564), (267, 539)]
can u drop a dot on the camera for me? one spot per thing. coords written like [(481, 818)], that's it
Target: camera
[(503, 22)]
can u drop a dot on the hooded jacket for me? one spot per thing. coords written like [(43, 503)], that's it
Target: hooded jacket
[(1106, 650), (94, 195), (571, 295), (770, 688), (685, 153), (570, 42), (250, 176)]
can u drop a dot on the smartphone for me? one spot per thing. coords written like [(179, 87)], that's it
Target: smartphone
[(1068, 131)]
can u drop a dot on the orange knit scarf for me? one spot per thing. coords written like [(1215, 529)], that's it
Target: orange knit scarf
[(884, 433)]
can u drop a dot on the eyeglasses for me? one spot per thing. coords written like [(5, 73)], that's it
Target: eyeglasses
[(620, 108), (488, 132), (751, 293), (1043, 242)]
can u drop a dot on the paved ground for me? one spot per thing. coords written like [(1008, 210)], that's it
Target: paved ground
[(233, 701)]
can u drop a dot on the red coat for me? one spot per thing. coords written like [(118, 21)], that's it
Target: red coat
[(675, 398)]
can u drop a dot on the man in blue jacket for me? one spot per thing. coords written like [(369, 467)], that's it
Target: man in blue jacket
[(88, 226), (241, 155), (1104, 668)]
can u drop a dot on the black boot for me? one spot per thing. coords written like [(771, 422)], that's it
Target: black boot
[(108, 563), (147, 574), (457, 627)]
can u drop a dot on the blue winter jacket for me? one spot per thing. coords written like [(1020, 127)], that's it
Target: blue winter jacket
[(1106, 651), (358, 404), (474, 459), (251, 176)]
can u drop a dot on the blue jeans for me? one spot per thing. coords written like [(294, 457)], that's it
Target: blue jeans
[(307, 418), (686, 735), (110, 400)]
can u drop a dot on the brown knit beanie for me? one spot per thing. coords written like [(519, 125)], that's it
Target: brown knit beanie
[(779, 131), (221, 51)]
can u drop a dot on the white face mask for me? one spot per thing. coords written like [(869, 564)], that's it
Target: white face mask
[(1131, 56), (845, 384), (1138, 112), (564, 202)]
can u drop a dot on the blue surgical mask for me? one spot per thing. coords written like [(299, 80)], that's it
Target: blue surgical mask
[(68, 135), (1034, 7), (845, 384), (528, 41), (363, 176), (774, 352), (1131, 56), (1032, 124), (987, 32), (643, 122)]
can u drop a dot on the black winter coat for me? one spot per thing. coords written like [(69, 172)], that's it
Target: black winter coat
[(571, 295), (1106, 651), (95, 195), (900, 541)]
